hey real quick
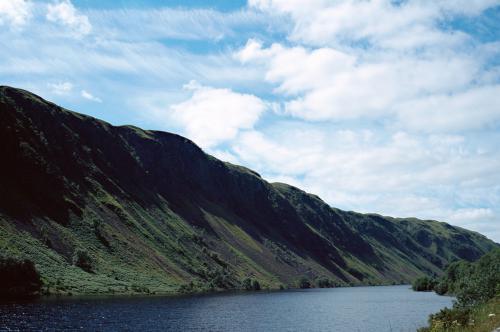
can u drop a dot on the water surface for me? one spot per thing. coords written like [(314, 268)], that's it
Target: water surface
[(387, 308)]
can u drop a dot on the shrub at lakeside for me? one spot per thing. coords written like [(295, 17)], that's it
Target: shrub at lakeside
[(304, 283), (325, 283), (424, 284), (18, 279), (476, 286), (250, 285)]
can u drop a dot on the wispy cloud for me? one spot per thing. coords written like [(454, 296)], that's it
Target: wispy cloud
[(61, 88), (175, 23), (89, 96), (377, 106)]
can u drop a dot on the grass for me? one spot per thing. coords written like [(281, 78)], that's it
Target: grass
[(154, 212), (482, 318)]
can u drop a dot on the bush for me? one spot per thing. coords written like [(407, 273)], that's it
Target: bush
[(441, 288), (304, 283), (472, 283), (424, 284), (218, 278), (18, 278), (449, 318), (247, 284), (83, 260), (324, 283), (250, 285), (188, 288)]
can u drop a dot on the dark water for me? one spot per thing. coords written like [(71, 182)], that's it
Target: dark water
[(391, 308)]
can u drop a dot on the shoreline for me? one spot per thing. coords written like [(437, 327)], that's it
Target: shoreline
[(56, 297)]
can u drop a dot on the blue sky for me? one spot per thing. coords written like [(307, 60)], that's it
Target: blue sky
[(377, 106)]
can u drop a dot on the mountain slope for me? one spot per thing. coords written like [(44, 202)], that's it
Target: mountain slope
[(150, 211)]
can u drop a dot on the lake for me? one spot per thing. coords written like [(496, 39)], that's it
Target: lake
[(385, 308)]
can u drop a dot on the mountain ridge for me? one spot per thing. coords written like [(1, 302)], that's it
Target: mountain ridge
[(153, 213)]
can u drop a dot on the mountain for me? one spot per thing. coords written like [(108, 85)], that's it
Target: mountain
[(103, 209)]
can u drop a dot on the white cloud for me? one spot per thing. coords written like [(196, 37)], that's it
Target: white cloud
[(225, 155), (211, 116), (428, 176), (374, 60), (62, 88), (426, 94), (334, 22), (472, 215), (178, 23), (483, 220), (89, 96), (334, 84), (381, 109), (65, 13), (14, 13), (475, 108)]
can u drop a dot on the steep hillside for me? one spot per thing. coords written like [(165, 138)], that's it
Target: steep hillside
[(100, 208)]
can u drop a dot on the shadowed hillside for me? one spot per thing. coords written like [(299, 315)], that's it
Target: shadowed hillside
[(100, 208)]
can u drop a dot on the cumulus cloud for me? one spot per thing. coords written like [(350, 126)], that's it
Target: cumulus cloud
[(211, 115), (14, 13), (334, 84), (334, 22), (380, 59), (87, 95), (65, 14), (377, 106), (435, 176)]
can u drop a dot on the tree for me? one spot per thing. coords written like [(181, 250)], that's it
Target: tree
[(83, 260), (18, 278), (250, 285), (247, 284), (304, 283), (324, 283), (424, 284), (255, 285), (472, 283)]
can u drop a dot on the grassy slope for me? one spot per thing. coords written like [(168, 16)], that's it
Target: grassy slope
[(154, 212), (480, 320)]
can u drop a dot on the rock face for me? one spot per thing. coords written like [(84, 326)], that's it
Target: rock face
[(150, 211)]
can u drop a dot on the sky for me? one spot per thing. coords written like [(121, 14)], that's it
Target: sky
[(389, 107)]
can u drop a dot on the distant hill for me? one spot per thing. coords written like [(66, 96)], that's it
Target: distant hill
[(103, 209)]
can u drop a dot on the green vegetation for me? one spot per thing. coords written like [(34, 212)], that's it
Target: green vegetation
[(18, 278), (100, 209), (477, 288), (304, 283), (424, 284), (251, 284), (324, 283), (82, 260), (482, 317)]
